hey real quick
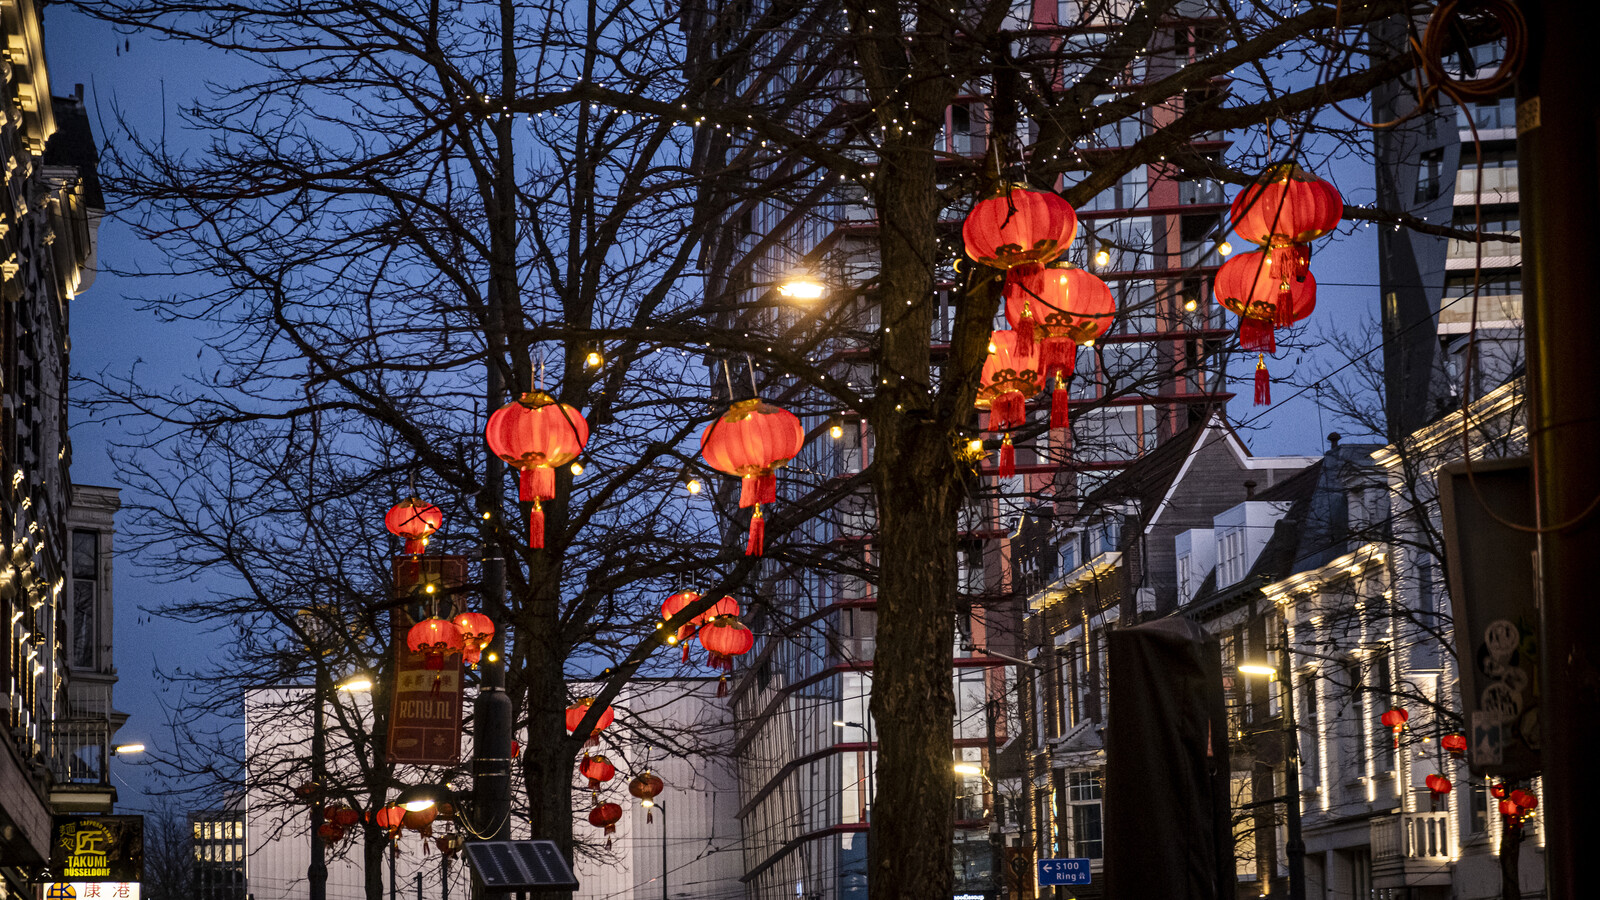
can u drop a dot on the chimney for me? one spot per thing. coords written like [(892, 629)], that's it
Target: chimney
[(1249, 490), (1333, 441)]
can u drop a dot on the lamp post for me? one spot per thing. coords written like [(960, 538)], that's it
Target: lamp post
[(1296, 845), (317, 871)]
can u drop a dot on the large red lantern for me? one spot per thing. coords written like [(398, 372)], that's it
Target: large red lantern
[(1286, 205), (1263, 290), (1499, 790), (537, 434), (725, 606), (343, 816), (1010, 379), (435, 639), (674, 605), (1018, 226), (413, 520), (597, 769), (606, 815), (577, 711), (477, 630), (389, 817), (330, 833), (724, 638), (1524, 799), (750, 441), (420, 819), (1454, 744), (647, 787), (1058, 307), (1438, 784), (1395, 719)]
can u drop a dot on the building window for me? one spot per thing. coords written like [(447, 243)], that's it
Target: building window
[(1310, 726), (85, 597), (1083, 799), (1430, 175), (1383, 690)]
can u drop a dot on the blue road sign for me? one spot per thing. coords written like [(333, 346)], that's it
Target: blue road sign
[(1054, 872)]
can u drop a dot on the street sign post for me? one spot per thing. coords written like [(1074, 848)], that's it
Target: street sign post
[(1053, 872)]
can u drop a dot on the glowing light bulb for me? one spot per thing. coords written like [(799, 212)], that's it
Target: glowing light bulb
[(1189, 305), (693, 485), (594, 359), (836, 431), (577, 469), (1224, 248)]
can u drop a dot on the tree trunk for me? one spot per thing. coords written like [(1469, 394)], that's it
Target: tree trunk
[(1510, 861)]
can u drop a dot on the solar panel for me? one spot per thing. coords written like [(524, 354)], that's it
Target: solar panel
[(520, 865)]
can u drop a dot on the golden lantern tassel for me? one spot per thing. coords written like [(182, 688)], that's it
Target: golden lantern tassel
[(536, 526), (1263, 382)]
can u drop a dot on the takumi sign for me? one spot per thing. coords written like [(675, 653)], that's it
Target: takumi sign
[(97, 848), (425, 712)]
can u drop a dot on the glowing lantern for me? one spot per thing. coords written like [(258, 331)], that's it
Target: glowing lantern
[(330, 832), (1454, 744), (674, 605), (413, 520), (1499, 790), (1286, 205), (577, 711), (597, 769), (750, 441), (1263, 291), (477, 630), (420, 819), (537, 435), (724, 638), (606, 815), (389, 817), (1510, 810), (1395, 719), (343, 816), (1010, 378), (647, 787), (435, 639), (1438, 784), (1524, 800), (1059, 307), (1018, 226), (726, 606)]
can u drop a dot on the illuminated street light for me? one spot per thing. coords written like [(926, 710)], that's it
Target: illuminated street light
[(802, 287)]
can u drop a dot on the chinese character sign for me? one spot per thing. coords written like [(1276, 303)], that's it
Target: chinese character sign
[(98, 849)]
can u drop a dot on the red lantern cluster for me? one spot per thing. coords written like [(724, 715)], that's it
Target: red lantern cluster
[(577, 711), (1056, 307), (1010, 378), (750, 441), (537, 434), (1018, 227), (1273, 288), (1395, 720), (330, 833), (341, 815), (1516, 805), (1454, 744), (647, 787), (674, 605), (477, 630), (435, 639), (597, 769), (1438, 785), (606, 815), (415, 521)]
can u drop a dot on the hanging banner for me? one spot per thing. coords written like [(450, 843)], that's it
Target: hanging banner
[(97, 849), (425, 705)]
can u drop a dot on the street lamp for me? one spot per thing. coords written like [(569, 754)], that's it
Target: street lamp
[(419, 797), (802, 286), (127, 749), (356, 683)]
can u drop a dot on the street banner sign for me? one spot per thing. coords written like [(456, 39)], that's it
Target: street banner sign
[(97, 848), (425, 709), (1053, 872), (93, 890)]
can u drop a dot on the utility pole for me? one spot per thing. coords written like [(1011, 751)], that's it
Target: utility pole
[(997, 818), (1557, 152), (1296, 844), (317, 871)]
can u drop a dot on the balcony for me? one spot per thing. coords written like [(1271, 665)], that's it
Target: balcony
[(1410, 850), (80, 758)]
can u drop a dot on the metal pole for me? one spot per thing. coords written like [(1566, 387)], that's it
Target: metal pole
[(419, 885), (1557, 148), (1291, 767), (998, 817), (394, 849), (317, 871), (663, 808)]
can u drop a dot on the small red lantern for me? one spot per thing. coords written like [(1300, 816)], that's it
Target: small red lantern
[(1059, 307), (1260, 288), (389, 817), (477, 630), (1018, 226), (674, 605), (1499, 790), (329, 832), (577, 711), (1286, 205), (1438, 784), (1524, 799), (419, 819), (750, 441), (724, 638), (414, 520), (726, 606), (1395, 719), (647, 787), (1510, 810), (435, 638), (597, 769), (537, 434), (1454, 744), (606, 815), (343, 816), (306, 791), (1010, 378)]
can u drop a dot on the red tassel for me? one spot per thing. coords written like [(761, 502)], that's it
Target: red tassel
[(525, 487), (1059, 356), (1058, 405), (747, 491), (722, 691), (758, 534), (1025, 332), (686, 651), (1006, 411), (1008, 458), (1263, 383), (415, 547), (767, 488), (536, 526), (1257, 334), (536, 483), (649, 816)]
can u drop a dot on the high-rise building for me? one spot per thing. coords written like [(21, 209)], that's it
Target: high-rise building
[(807, 743), (56, 720), (218, 844)]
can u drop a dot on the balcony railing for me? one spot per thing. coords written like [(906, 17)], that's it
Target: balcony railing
[(1413, 835), (80, 752), (1502, 180)]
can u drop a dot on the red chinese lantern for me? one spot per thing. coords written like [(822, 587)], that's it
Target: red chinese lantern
[(1057, 307), (1395, 719), (1438, 784), (597, 769), (1499, 790), (1524, 800), (1018, 226), (577, 711), (343, 816), (647, 787), (724, 638), (414, 520), (606, 815), (477, 630), (674, 605), (389, 817), (537, 434), (750, 441), (306, 791), (1454, 744), (1010, 378), (1262, 291), (418, 819), (1510, 810), (726, 606), (435, 638), (329, 832), (1286, 205)]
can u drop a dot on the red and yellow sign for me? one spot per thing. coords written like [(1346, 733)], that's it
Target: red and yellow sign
[(425, 712)]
